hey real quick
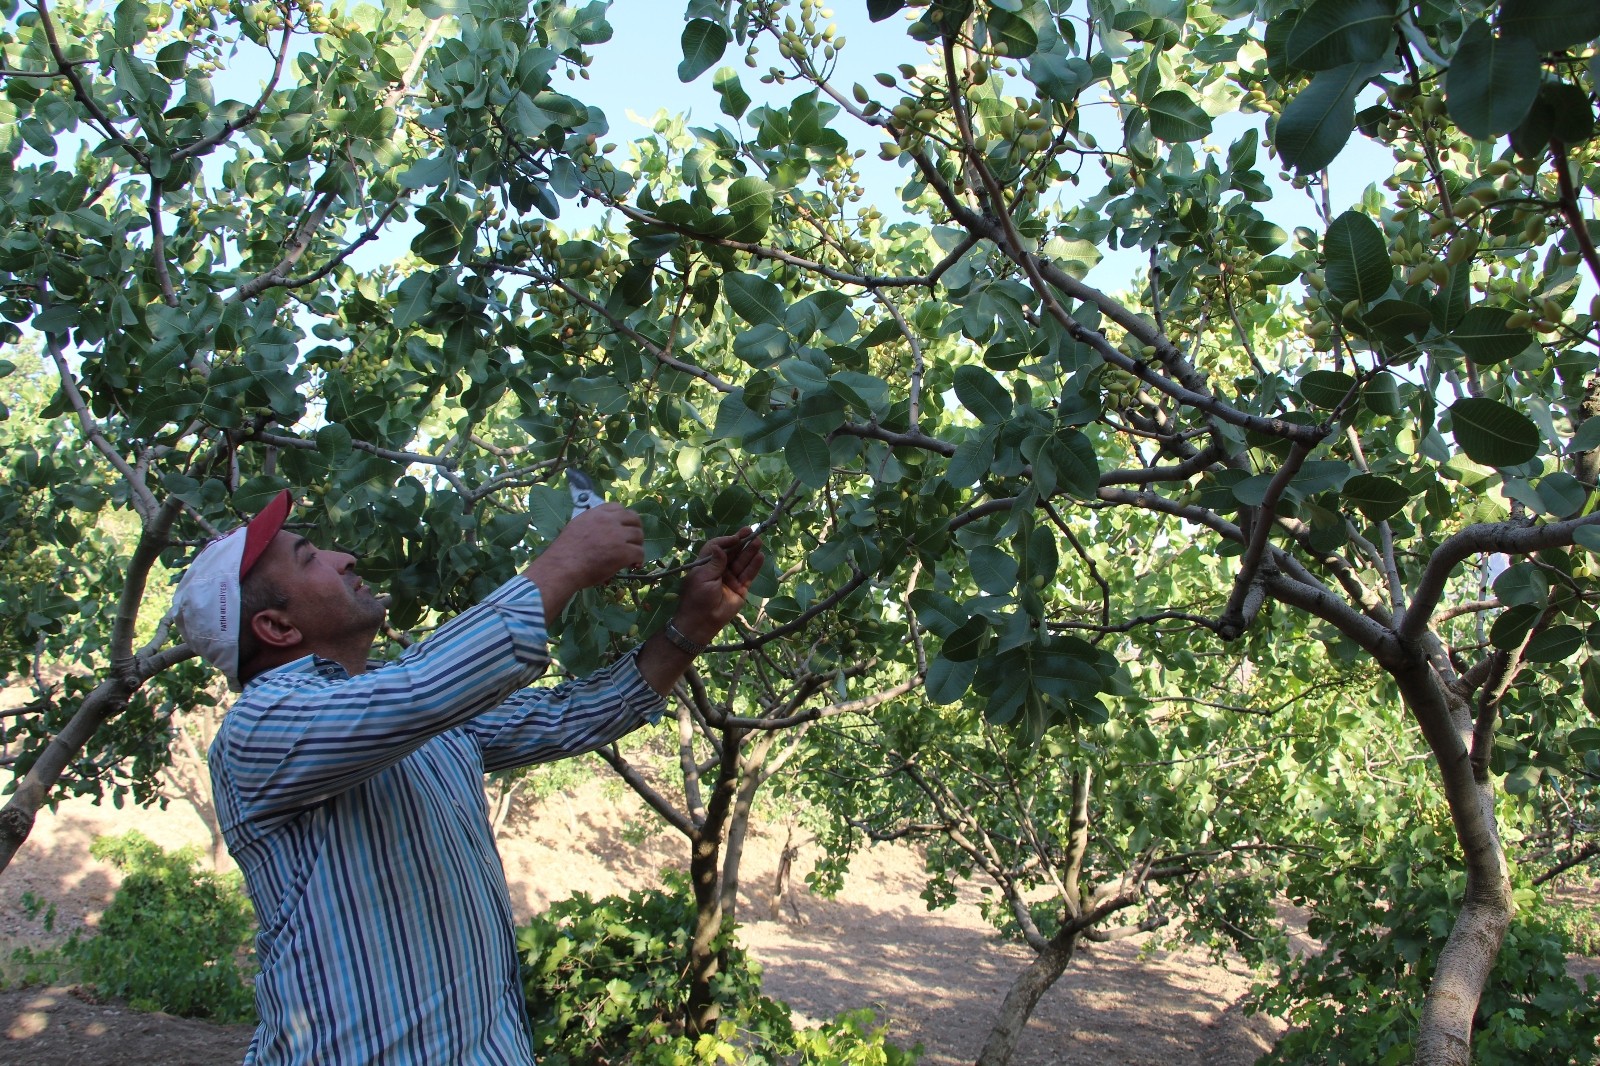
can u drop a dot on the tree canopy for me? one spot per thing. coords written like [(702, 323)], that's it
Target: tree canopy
[(1346, 451)]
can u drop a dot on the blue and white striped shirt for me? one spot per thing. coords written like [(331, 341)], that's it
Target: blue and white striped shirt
[(355, 808)]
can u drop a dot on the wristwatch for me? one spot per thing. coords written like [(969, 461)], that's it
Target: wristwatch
[(676, 638)]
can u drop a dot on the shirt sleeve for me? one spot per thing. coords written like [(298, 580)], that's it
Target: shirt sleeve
[(294, 739), (547, 723)]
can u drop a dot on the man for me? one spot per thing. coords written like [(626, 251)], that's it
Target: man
[(351, 792)]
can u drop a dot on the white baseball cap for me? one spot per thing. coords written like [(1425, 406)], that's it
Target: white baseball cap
[(207, 602)]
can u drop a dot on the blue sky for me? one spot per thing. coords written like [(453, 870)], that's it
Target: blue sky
[(634, 76), (636, 71)]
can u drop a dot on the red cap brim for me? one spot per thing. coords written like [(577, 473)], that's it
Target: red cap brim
[(262, 528)]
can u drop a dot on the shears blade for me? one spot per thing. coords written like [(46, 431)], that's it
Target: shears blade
[(585, 495)]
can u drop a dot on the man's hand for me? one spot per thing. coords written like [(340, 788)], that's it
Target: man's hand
[(714, 590), (590, 551)]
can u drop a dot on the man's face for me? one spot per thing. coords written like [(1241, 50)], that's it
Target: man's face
[(326, 601)]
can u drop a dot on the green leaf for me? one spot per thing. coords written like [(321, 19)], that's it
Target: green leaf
[(1382, 395), (1483, 334), (1066, 460), (1552, 25), (1587, 438), (750, 204), (703, 44), (1522, 584), (878, 10), (1554, 644), (1397, 318), (434, 170), (1492, 433), (807, 455), (1316, 124), (1326, 388), (1522, 780), (1511, 628), (948, 681), (1174, 117), (1588, 537), (1322, 475), (993, 570), (333, 441), (735, 101), (413, 299), (731, 509), (938, 613), (1450, 303), (1590, 673), (1562, 494), (1063, 673), (967, 643), (1263, 237), (980, 393), (438, 244), (1060, 78), (754, 299), (1357, 255), (1332, 33), (973, 457), (1377, 497), (1013, 31), (1252, 491), (1076, 257), (1492, 82), (1584, 738)]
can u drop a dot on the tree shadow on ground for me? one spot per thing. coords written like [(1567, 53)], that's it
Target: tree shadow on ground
[(940, 977)]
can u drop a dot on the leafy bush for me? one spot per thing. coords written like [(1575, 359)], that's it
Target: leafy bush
[(1359, 1000), (174, 935), (606, 982)]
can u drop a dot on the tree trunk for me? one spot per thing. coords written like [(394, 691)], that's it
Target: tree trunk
[(1024, 994), (129, 672), (1444, 1035), (703, 958), (705, 869), (751, 778), (99, 706)]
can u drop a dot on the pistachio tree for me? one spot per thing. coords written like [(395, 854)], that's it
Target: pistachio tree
[(1420, 407), (183, 249), (1370, 413)]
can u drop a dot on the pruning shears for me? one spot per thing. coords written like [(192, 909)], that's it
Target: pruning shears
[(585, 496)]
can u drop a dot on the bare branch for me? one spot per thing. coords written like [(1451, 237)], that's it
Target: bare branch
[(69, 70), (1235, 616), (646, 792), (251, 113), (332, 264), (158, 245), (1511, 538), (144, 501), (1582, 856), (656, 351), (295, 247)]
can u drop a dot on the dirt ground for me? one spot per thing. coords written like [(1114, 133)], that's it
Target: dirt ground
[(934, 978)]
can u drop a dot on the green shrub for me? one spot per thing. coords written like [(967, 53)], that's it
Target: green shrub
[(175, 937), (606, 982), (1360, 998)]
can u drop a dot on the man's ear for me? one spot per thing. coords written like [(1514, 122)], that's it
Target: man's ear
[(274, 629)]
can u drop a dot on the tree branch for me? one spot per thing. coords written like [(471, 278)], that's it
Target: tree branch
[(1510, 538)]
